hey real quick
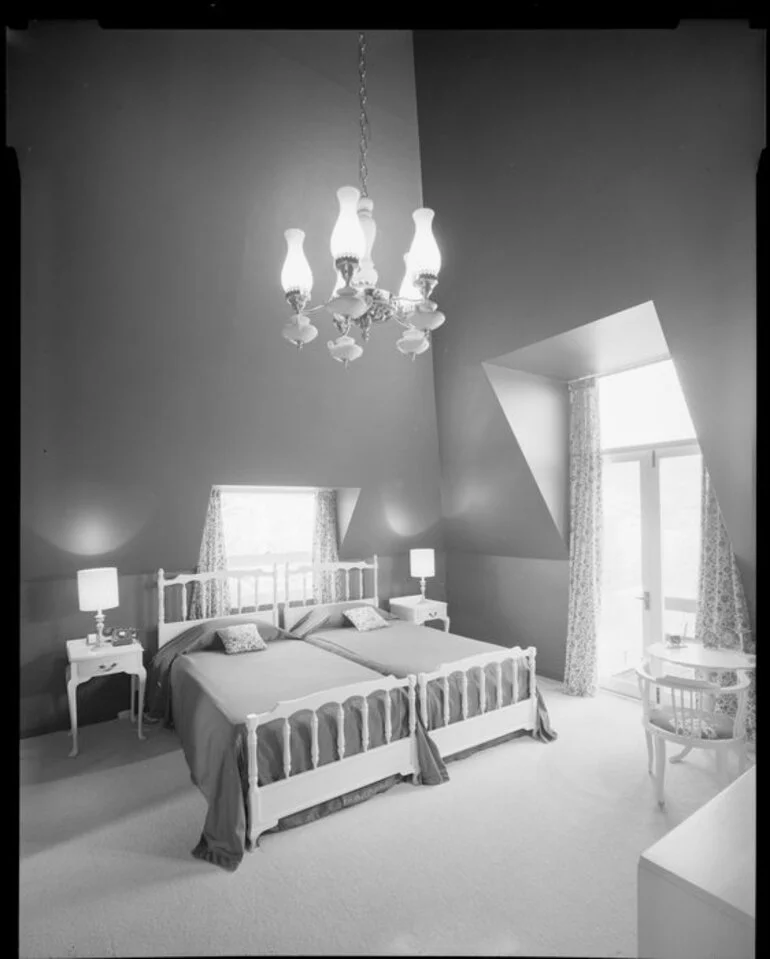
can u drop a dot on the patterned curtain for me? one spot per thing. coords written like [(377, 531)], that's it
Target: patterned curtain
[(721, 614), (212, 598), (326, 586), (585, 541)]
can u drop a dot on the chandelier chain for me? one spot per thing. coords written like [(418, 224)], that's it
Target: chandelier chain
[(363, 118)]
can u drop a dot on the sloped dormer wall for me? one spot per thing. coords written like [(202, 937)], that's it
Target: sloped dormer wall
[(575, 175)]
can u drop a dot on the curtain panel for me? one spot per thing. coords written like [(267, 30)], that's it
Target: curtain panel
[(327, 587), (585, 542), (721, 612), (212, 598)]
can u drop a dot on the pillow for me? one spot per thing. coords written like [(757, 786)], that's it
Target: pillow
[(241, 639), (312, 620), (268, 631), (365, 618)]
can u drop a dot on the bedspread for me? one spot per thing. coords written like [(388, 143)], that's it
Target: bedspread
[(403, 648), (211, 694)]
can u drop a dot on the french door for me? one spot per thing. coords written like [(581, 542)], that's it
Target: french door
[(651, 544)]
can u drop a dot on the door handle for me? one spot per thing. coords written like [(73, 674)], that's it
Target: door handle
[(645, 597)]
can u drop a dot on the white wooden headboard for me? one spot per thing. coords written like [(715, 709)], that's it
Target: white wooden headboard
[(167, 631), (292, 613), (283, 571)]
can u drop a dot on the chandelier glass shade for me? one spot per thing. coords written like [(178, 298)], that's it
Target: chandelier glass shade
[(356, 300)]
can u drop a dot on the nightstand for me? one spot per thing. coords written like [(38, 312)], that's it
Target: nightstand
[(86, 661), (415, 609)]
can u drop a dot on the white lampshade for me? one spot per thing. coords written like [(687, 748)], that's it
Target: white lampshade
[(367, 276), (424, 255), (348, 237), (296, 273), (98, 588), (422, 563)]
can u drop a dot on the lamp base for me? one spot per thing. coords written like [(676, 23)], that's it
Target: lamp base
[(423, 598), (99, 640)]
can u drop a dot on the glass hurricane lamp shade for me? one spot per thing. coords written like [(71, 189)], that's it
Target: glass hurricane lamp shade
[(366, 276), (97, 591), (422, 565), (348, 241), (344, 349), (424, 256), (299, 330), (296, 275)]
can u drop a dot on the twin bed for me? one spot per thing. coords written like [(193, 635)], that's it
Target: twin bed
[(311, 724)]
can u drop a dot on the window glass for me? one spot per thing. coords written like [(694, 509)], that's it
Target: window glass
[(643, 406), (265, 521)]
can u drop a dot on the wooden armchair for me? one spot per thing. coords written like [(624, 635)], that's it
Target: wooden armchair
[(680, 710)]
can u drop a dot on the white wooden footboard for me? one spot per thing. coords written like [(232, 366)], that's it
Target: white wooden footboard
[(494, 719), (269, 803)]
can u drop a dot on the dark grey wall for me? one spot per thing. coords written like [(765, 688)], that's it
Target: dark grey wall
[(574, 175), (159, 170)]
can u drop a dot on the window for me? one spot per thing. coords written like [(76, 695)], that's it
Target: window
[(651, 516), (260, 520), (642, 407)]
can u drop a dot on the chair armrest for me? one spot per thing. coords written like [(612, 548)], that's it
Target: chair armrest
[(684, 682)]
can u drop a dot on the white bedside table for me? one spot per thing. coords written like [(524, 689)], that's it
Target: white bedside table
[(415, 609), (86, 661)]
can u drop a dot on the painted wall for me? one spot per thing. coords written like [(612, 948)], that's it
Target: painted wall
[(159, 171), (575, 175)]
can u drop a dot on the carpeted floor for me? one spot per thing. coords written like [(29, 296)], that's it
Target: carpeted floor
[(530, 849)]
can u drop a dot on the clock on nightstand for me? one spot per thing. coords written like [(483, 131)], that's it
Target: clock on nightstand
[(417, 610)]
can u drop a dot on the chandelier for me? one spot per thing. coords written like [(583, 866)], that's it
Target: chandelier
[(357, 300)]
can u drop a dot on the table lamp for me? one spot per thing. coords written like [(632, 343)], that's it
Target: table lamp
[(422, 565), (98, 590)]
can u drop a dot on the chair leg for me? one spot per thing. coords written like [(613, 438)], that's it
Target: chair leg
[(648, 736), (660, 768), (743, 759)]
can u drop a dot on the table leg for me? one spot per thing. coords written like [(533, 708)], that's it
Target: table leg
[(132, 710), (680, 756), (446, 624), (140, 704), (72, 697)]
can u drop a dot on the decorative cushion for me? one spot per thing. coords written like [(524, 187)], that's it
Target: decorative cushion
[(719, 726), (241, 639), (365, 618)]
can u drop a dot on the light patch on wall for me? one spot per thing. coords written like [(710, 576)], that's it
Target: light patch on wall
[(464, 500), (92, 519), (402, 516)]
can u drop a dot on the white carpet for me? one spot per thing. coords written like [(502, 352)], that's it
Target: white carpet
[(530, 850)]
